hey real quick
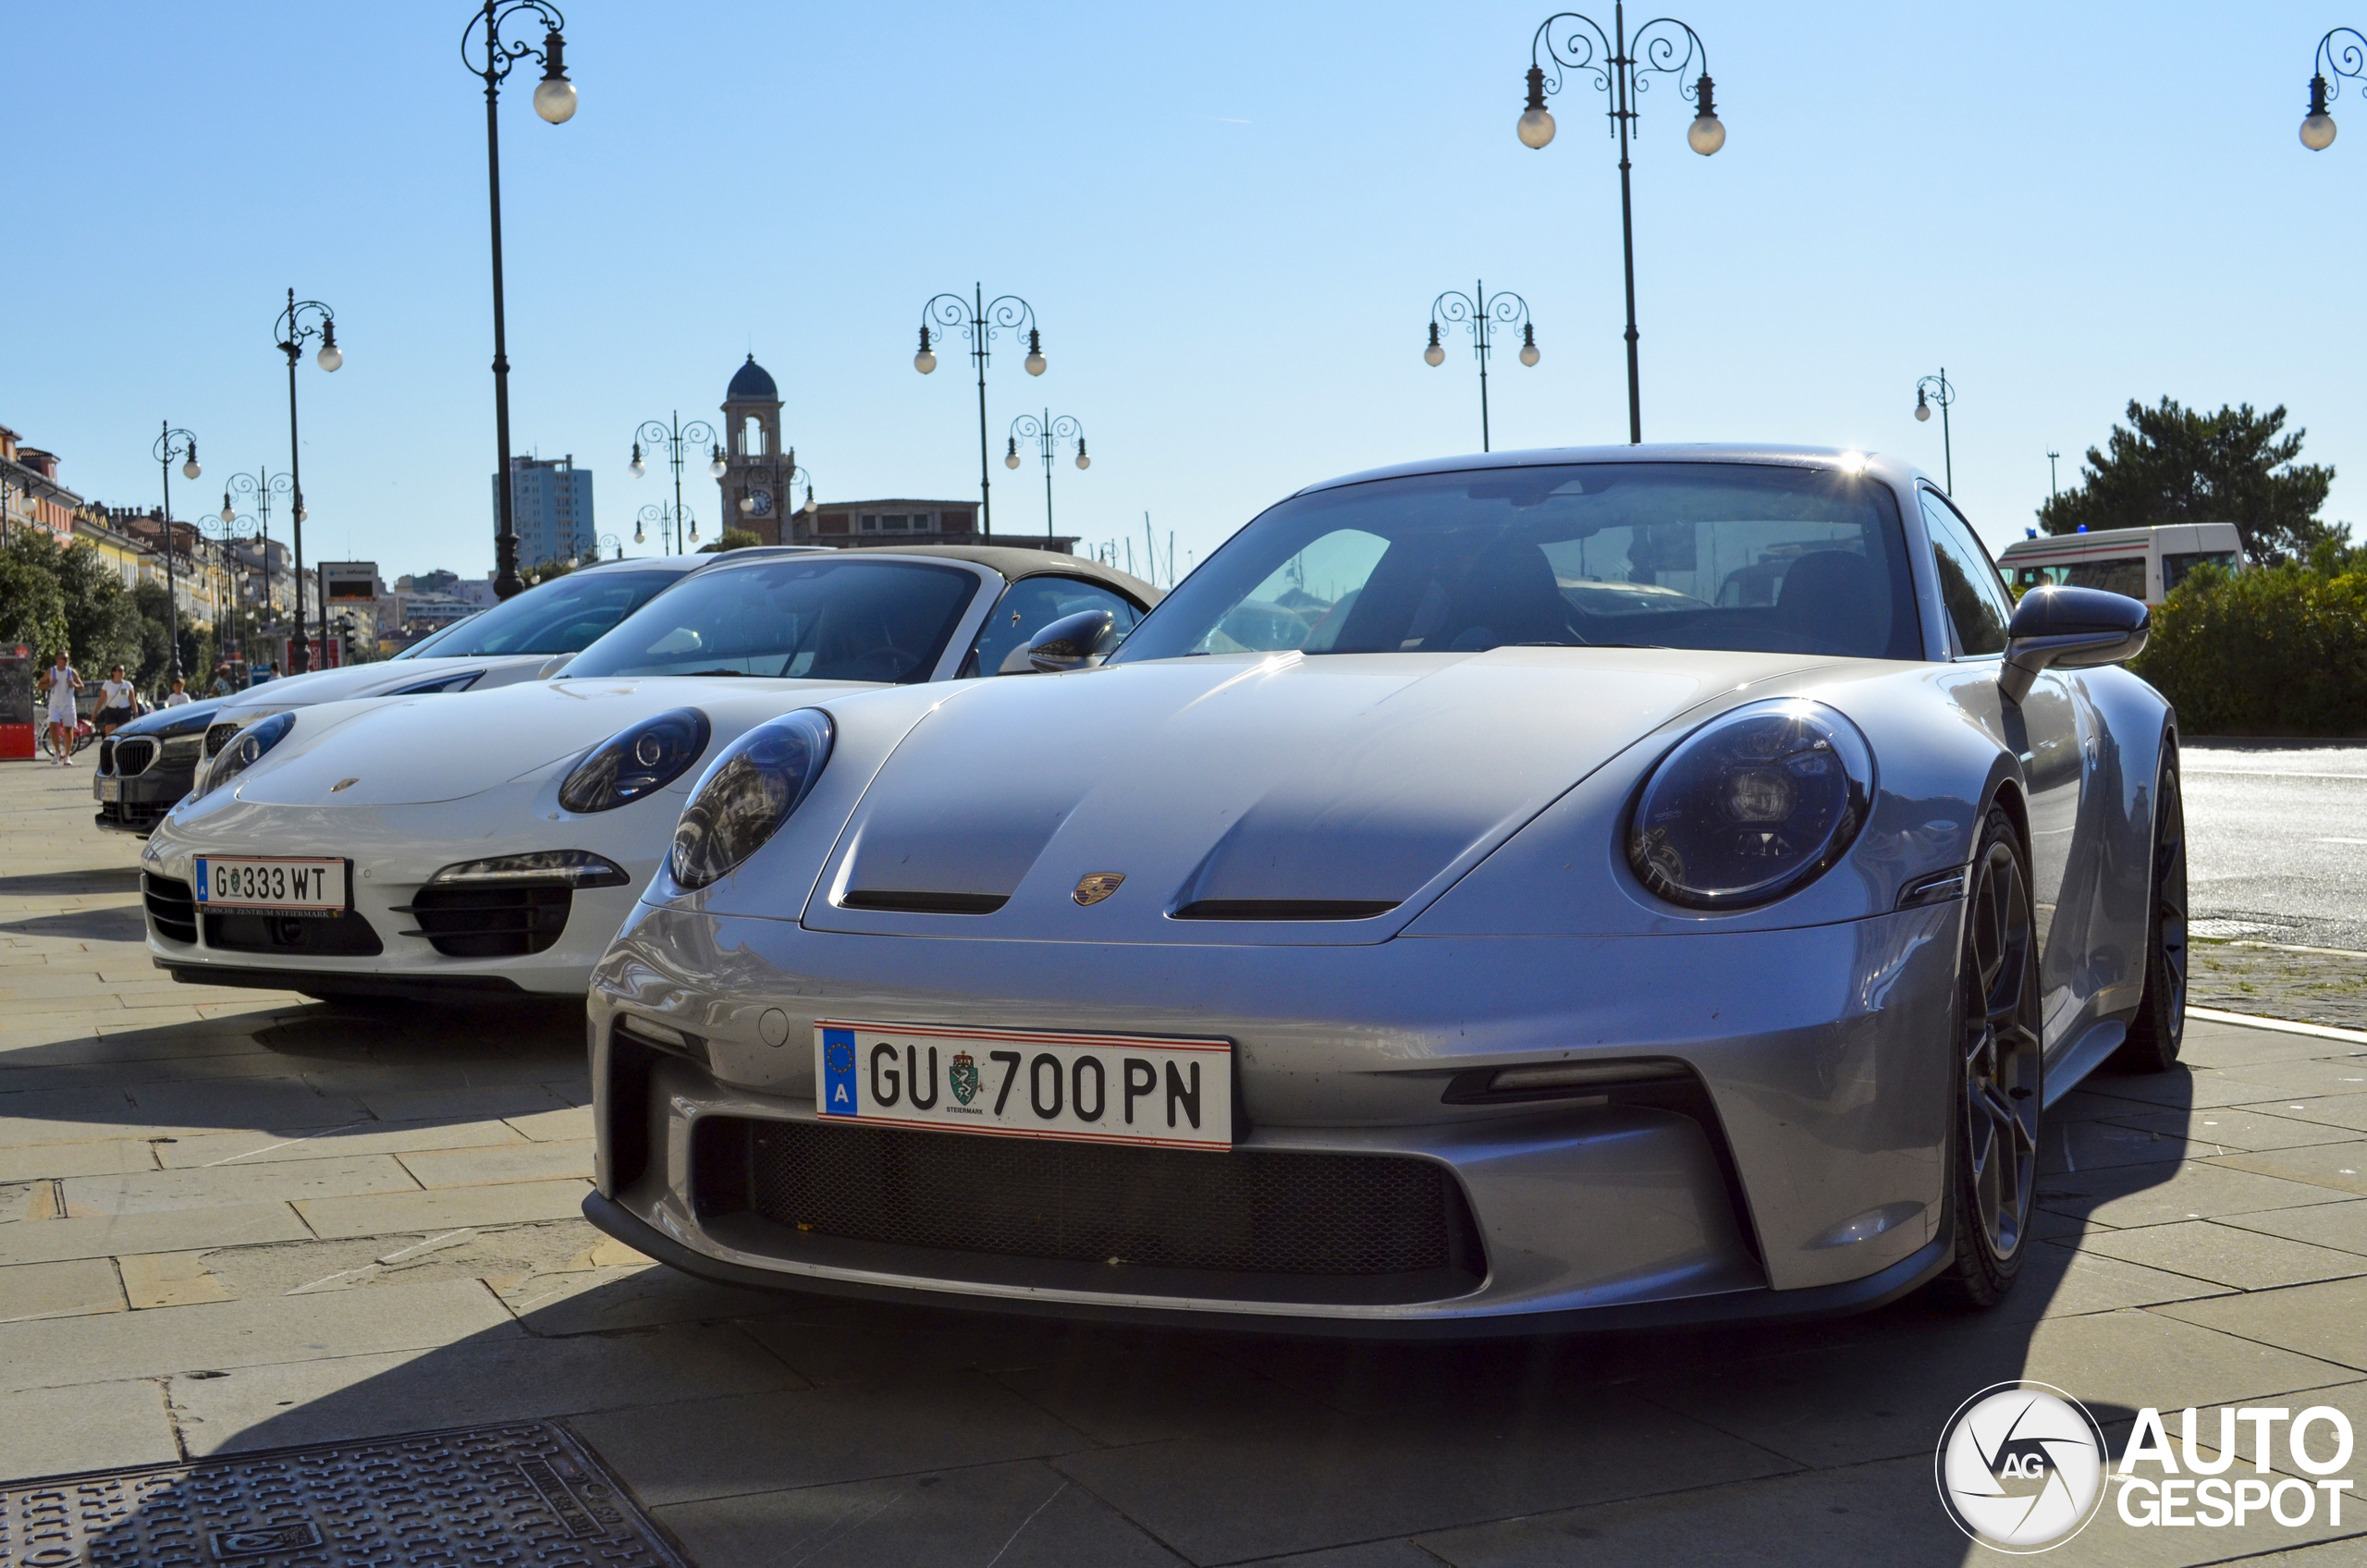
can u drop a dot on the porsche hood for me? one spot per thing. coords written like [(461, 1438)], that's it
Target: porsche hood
[(1274, 799)]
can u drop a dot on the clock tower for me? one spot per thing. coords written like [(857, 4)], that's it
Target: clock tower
[(755, 477)]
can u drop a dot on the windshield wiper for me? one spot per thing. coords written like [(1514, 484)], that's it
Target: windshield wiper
[(746, 672)]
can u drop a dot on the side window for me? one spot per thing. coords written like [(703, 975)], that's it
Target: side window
[(1979, 609), (1026, 608)]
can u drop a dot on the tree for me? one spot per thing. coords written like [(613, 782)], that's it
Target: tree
[(101, 619), (2177, 465), (32, 610), (731, 539)]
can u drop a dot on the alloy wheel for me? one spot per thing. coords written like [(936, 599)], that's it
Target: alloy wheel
[(2169, 902), (2000, 1050)]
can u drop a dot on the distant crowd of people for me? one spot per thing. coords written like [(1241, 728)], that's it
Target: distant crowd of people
[(120, 700)]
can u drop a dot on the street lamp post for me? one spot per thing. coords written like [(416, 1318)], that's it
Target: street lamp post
[(608, 541), (1614, 60), (2050, 491), (1940, 390), (174, 443), (554, 100), (263, 485), (2341, 52), (227, 529), (666, 517), (1047, 433), (980, 318), (778, 476), (1481, 312), (672, 434), (297, 324)]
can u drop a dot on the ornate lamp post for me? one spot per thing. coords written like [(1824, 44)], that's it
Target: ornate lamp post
[(1619, 64), (1940, 390), (487, 55), (673, 436), (170, 444), (2341, 52), (675, 518), (778, 476), (262, 485), (1481, 312), (980, 318), (608, 541), (1047, 433), (227, 529), (297, 324)]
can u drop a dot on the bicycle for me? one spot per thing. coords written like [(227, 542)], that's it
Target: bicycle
[(84, 735)]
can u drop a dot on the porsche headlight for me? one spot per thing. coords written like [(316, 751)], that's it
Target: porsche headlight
[(742, 799), (635, 762), (1751, 806), (245, 749)]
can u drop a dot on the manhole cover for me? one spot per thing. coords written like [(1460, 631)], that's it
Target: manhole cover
[(481, 1497)]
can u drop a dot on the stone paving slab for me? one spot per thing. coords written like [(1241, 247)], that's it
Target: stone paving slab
[(113, 1234), (2226, 1254), (2327, 1320), (221, 1184), (2339, 1225), (29, 1290), (494, 1167), (510, 1203), (88, 1426), (330, 1143), (2339, 1168)]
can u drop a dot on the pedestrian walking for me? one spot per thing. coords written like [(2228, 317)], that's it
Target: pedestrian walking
[(222, 685), (179, 694), (61, 680), (116, 697)]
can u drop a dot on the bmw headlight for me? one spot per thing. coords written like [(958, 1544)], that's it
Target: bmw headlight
[(245, 749), (1754, 804), (742, 799), (635, 762)]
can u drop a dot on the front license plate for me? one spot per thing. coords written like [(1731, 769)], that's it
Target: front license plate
[(1023, 1083), (107, 788), (289, 887)]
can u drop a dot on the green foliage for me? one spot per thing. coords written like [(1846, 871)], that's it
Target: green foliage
[(2277, 650), (2177, 465), (730, 539), (33, 606)]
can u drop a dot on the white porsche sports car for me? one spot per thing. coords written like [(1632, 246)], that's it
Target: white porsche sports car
[(491, 842), (1613, 884)]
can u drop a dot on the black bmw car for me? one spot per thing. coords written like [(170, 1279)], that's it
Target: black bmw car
[(146, 766)]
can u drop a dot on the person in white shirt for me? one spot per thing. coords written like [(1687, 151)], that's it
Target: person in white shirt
[(114, 702), (61, 680), (179, 694)]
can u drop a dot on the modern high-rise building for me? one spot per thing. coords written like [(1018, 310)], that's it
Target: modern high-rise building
[(551, 501)]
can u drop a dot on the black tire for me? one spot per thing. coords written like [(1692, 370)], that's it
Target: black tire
[(1999, 1080), (2159, 1028)]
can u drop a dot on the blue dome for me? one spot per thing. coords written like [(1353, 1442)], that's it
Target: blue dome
[(752, 384)]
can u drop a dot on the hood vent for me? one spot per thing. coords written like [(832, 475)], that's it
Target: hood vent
[(906, 901), (1285, 909)]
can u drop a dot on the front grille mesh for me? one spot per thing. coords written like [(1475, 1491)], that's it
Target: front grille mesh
[(172, 907), (128, 757), (1251, 1210), (495, 921), (106, 755)]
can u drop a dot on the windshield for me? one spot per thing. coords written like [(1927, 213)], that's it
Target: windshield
[(428, 645), (1725, 555), (564, 617), (835, 618)]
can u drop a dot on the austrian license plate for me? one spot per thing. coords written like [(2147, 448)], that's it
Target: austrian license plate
[(284, 887), (106, 788), (1090, 1088)]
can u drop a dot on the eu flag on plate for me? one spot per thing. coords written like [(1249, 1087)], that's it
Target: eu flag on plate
[(838, 1072)]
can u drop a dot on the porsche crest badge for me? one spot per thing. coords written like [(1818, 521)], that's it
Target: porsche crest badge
[(1092, 889)]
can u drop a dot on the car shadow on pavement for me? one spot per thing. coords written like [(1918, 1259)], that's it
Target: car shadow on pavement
[(766, 1429), (80, 882), (119, 923)]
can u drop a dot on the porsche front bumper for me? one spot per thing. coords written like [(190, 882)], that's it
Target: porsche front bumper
[(1799, 1168)]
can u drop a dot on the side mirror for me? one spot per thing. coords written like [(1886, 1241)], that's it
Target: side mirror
[(1073, 642), (554, 665), (2077, 627)]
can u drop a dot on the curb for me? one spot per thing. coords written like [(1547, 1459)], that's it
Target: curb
[(2282, 1027)]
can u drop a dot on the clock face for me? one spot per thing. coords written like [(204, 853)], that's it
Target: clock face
[(760, 503)]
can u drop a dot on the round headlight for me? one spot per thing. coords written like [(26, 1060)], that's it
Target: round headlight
[(635, 762), (245, 749), (1751, 806), (742, 799)]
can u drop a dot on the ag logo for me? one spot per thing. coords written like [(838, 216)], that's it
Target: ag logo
[(1098, 886), (963, 1075), (2021, 1466)]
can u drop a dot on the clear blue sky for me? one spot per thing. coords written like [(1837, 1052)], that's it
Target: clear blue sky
[(1230, 219)]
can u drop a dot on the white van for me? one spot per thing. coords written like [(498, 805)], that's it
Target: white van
[(2144, 563)]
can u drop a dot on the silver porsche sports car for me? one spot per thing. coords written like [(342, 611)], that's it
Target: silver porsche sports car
[(1583, 886)]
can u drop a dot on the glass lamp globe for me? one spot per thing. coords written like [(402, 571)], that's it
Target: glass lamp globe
[(302, 515), (1536, 129), (1705, 135), (809, 501), (1084, 461), (190, 469), (1923, 410), (636, 468), (718, 468), (330, 356), (639, 537), (554, 99), (1434, 355), (747, 506), (1529, 354), (228, 516), (2317, 133), (1011, 459), (924, 362), (1034, 362)]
